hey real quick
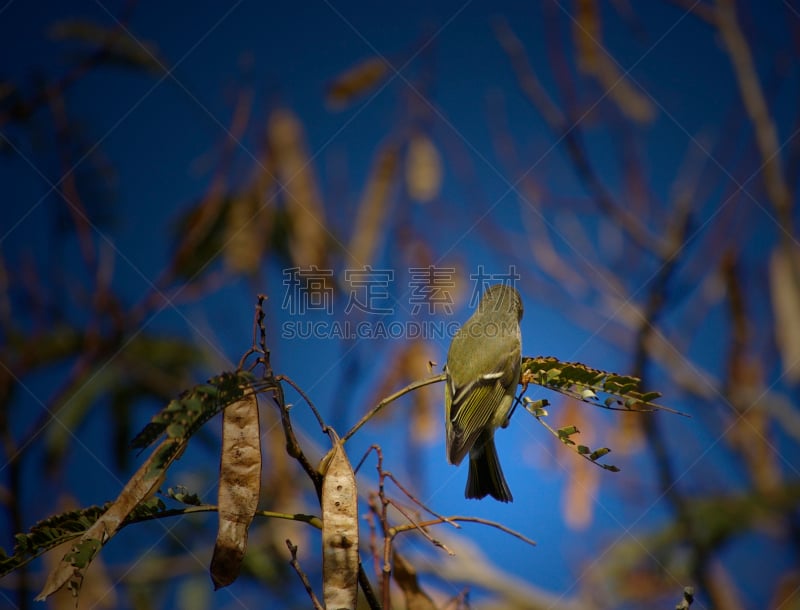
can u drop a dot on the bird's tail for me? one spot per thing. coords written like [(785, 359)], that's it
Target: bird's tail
[(485, 475)]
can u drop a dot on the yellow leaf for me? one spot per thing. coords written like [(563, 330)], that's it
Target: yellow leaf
[(587, 34), (246, 227), (355, 82), (594, 59), (750, 434), (372, 210), (423, 169), (406, 578), (786, 307), (309, 237)]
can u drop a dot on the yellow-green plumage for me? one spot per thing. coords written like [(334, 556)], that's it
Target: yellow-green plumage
[(483, 368)]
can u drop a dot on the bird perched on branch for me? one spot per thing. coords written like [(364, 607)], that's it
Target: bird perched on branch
[(483, 370)]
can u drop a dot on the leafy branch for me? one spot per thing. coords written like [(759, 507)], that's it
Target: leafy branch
[(183, 416), (584, 383), (58, 529), (537, 409), (177, 422)]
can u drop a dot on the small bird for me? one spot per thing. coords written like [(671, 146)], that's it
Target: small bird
[(482, 373)]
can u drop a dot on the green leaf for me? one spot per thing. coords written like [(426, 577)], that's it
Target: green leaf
[(176, 430), (82, 553), (567, 431), (182, 495), (650, 396), (553, 374)]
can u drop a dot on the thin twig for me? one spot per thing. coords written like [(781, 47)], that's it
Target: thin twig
[(388, 400), (364, 457), (262, 329), (373, 534), (418, 502), (312, 520), (387, 537), (292, 444), (582, 450), (413, 526), (296, 565), (367, 590), (259, 345), (305, 397), (293, 447), (422, 530), (409, 495)]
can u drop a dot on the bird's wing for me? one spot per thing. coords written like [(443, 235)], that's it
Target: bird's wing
[(471, 410), (471, 403)]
